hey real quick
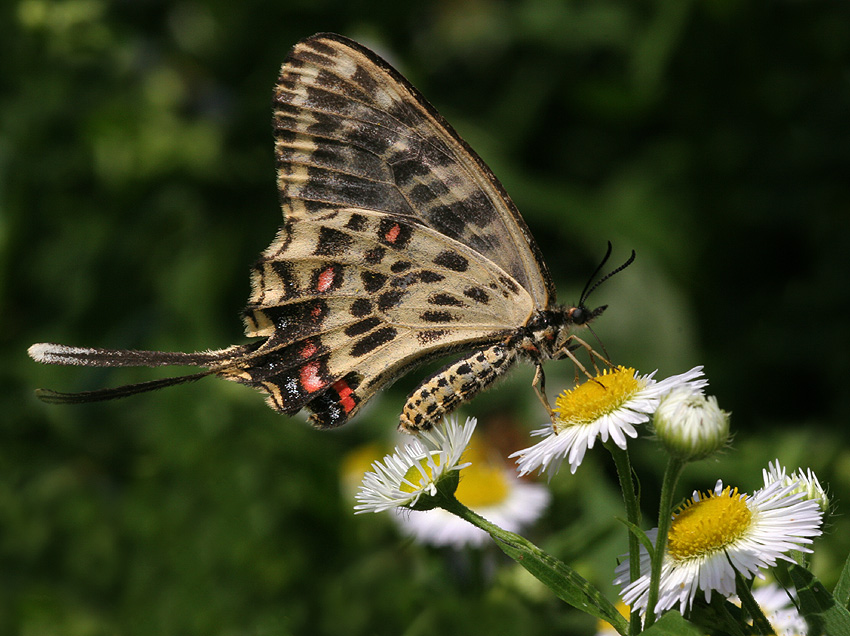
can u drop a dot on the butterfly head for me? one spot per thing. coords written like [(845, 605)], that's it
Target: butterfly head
[(581, 315), (566, 319), (563, 320)]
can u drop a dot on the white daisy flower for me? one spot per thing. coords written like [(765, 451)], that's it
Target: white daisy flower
[(607, 406), (487, 487), (714, 535), (806, 483), (415, 471), (690, 425)]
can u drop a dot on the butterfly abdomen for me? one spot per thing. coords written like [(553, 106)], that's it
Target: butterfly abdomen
[(460, 381)]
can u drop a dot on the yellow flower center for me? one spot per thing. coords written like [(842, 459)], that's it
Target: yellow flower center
[(605, 625), (710, 525), (482, 485), (599, 396), (419, 475)]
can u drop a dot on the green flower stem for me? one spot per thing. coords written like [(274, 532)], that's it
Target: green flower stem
[(665, 509), (632, 505), (760, 623), (565, 582)]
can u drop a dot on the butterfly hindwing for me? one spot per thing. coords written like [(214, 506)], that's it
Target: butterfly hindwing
[(349, 298)]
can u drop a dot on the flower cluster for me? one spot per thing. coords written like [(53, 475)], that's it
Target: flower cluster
[(716, 534), (707, 544)]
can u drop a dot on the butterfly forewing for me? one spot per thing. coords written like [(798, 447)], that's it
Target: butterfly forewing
[(351, 131)]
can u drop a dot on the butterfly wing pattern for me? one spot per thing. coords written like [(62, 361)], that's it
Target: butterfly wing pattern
[(398, 246)]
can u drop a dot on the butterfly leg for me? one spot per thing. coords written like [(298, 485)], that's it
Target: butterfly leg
[(578, 343), (539, 384), (458, 382)]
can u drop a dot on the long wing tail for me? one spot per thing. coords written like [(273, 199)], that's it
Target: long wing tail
[(95, 357)]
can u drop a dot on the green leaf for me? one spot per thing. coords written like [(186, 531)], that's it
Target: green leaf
[(564, 582), (567, 584), (820, 609), (842, 588)]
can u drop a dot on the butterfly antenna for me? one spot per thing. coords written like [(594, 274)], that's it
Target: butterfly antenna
[(587, 292), (584, 292)]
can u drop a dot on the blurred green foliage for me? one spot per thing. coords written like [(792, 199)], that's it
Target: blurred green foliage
[(136, 187)]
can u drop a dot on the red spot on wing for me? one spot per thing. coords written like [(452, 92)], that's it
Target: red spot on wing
[(308, 350), (344, 391), (392, 234), (316, 312), (310, 380), (326, 279)]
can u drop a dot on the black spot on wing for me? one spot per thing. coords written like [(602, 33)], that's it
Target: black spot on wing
[(408, 169), (451, 260), (445, 300), (389, 299), (327, 412), (420, 276), (375, 255), (356, 223), (445, 220), (319, 47), (288, 281), (296, 319), (328, 215), (362, 78), (477, 294), (359, 328), (510, 284), (427, 276), (400, 266), (361, 307), (373, 341), (372, 281), (437, 316), (424, 193), (431, 336)]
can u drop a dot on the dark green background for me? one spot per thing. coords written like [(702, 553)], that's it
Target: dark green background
[(137, 187)]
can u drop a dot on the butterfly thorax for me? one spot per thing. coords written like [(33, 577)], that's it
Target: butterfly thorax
[(548, 330)]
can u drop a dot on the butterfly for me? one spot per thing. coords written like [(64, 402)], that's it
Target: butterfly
[(398, 246)]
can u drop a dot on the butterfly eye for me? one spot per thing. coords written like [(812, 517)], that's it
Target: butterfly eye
[(579, 315)]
